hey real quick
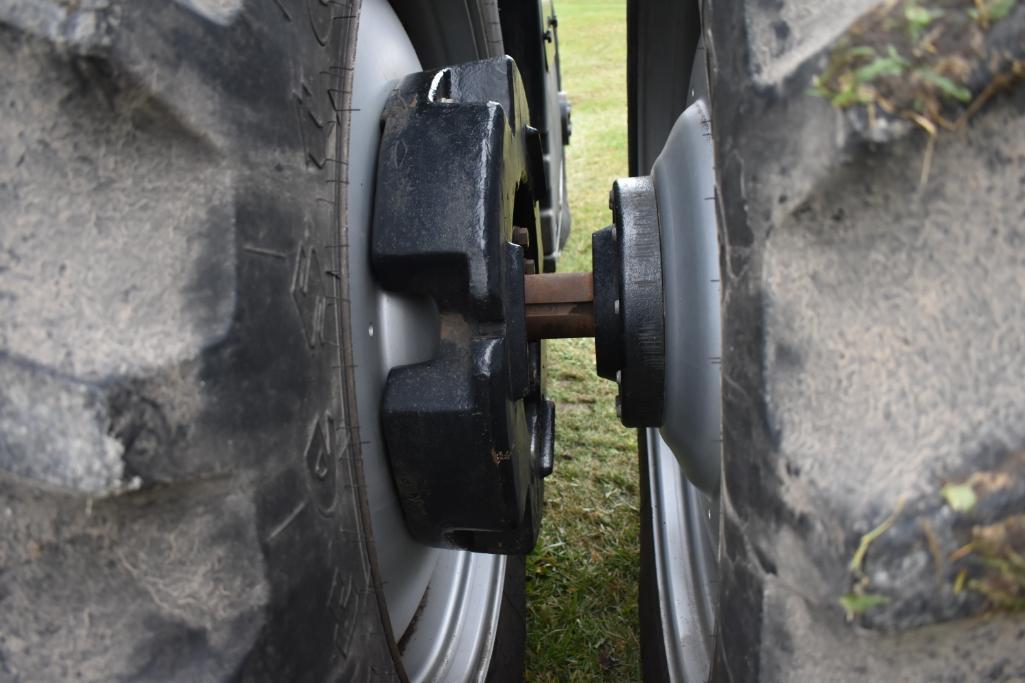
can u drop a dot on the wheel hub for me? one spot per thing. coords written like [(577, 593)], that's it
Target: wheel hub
[(469, 432)]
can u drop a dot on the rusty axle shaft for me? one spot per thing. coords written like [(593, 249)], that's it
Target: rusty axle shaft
[(559, 305)]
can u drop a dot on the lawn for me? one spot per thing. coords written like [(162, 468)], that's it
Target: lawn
[(582, 578)]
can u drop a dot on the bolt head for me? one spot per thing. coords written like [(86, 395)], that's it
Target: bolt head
[(520, 236)]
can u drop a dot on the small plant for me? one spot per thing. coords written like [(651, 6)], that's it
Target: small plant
[(914, 60), (859, 599), (987, 11), (992, 563), (907, 59), (918, 19), (855, 603)]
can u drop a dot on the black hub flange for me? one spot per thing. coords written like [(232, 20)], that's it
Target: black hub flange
[(629, 319), (469, 433)]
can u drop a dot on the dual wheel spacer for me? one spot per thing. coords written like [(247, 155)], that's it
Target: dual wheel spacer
[(470, 432), (620, 303)]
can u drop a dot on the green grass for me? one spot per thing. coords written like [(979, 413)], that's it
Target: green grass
[(582, 578)]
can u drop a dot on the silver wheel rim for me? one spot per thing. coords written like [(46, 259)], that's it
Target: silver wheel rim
[(685, 519), (443, 605), (685, 523)]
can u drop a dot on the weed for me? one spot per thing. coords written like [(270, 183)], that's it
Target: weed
[(960, 497), (916, 60), (996, 558), (859, 599), (905, 58), (855, 603), (987, 11), (866, 540)]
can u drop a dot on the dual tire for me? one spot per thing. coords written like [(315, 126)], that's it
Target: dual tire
[(183, 484), (866, 300)]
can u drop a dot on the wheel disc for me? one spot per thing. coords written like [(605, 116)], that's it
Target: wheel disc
[(684, 516)]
